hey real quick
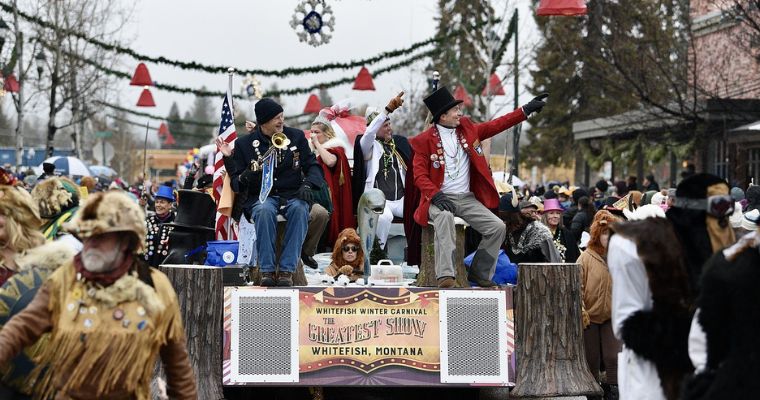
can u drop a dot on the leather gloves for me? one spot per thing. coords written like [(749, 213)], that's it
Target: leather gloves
[(305, 193), (536, 104), (395, 103), (251, 180), (441, 201)]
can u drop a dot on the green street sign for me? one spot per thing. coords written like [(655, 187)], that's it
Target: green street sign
[(103, 134)]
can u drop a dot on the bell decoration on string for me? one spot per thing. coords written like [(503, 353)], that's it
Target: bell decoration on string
[(461, 94), (311, 20), (364, 80), (141, 76), (11, 84), (146, 98), (313, 105), (561, 7), (494, 87), (163, 130)]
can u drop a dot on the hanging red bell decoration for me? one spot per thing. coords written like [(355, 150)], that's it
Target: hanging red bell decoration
[(169, 139), (561, 7), (163, 130), (146, 99), (141, 76), (494, 87), (313, 105), (461, 94), (364, 80), (11, 84)]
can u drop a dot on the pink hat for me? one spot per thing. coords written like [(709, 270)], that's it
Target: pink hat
[(552, 205)]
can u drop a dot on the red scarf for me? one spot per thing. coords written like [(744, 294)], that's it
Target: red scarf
[(103, 278)]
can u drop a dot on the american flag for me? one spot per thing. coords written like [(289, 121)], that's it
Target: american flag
[(227, 132)]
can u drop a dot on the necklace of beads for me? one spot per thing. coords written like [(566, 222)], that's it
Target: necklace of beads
[(459, 150)]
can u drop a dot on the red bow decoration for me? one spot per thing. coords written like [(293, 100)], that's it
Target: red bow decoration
[(335, 111)]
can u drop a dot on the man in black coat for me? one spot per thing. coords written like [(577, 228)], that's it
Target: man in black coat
[(288, 190)]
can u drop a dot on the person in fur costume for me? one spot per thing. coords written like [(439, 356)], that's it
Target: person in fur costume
[(347, 256), (108, 314), (651, 309), (596, 286), (19, 228), (730, 318), (34, 266), (700, 216), (58, 201)]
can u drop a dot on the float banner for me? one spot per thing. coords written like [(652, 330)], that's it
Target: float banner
[(369, 329)]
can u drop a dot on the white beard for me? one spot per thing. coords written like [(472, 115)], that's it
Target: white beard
[(98, 261)]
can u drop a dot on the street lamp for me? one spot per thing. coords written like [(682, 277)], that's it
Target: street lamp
[(40, 59)]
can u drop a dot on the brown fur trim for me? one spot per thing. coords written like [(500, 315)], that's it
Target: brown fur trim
[(52, 197), (660, 251)]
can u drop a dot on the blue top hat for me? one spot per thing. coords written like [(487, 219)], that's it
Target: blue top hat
[(165, 192)]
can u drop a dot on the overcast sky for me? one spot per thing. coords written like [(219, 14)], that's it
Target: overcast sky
[(257, 34)]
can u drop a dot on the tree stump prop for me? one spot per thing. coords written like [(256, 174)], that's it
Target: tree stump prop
[(549, 339), (426, 276), (200, 293)]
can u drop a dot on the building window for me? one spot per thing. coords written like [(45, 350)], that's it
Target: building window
[(720, 161), (753, 163)]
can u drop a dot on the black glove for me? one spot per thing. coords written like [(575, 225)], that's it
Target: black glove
[(536, 104), (441, 201), (252, 180), (305, 193)]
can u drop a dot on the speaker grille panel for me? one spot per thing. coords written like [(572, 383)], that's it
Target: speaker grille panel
[(265, 336), (264, 345), (473, 337)]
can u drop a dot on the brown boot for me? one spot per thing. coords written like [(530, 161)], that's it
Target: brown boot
[(446, 282), (480, 282), (267, 279), (285, 279)]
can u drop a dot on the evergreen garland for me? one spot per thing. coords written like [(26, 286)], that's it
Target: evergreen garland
[(192, 65), (156, 117)]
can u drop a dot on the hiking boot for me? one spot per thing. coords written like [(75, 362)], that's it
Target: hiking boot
[(309, 261), (285, 279), (446, 282), (267, 279), (485, 283)]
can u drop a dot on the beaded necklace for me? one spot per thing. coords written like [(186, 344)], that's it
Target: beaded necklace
[(457, 153), (388, 156)]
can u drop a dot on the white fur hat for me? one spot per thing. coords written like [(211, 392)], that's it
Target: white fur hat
[(644, 212)]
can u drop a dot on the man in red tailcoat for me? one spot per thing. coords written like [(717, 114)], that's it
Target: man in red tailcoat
[(454, 179)]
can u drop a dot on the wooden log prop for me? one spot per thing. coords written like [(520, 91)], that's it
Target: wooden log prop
[(201, 297), (551, 361), (426, 276)]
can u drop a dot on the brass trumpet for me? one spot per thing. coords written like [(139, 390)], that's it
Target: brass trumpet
[(279, 142)]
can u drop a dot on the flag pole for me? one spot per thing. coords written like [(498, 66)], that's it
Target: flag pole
[(230, 73)]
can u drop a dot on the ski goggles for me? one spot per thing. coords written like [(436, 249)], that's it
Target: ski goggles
[(719, 206)]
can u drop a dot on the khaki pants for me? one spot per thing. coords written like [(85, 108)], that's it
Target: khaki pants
[(479, 218), (318, 219)]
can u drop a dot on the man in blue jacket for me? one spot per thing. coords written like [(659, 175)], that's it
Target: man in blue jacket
[(288, 189)]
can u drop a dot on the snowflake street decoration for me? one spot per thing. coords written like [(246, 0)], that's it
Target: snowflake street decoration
[(252, 87), (311, 20)]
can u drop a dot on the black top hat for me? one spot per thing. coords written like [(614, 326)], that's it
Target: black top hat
[(195, 210), (440, 101)]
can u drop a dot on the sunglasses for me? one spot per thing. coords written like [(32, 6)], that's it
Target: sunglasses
[(351, 248)]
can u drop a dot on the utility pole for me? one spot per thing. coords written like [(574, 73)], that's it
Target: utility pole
[(22, 84), (516, 137)]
